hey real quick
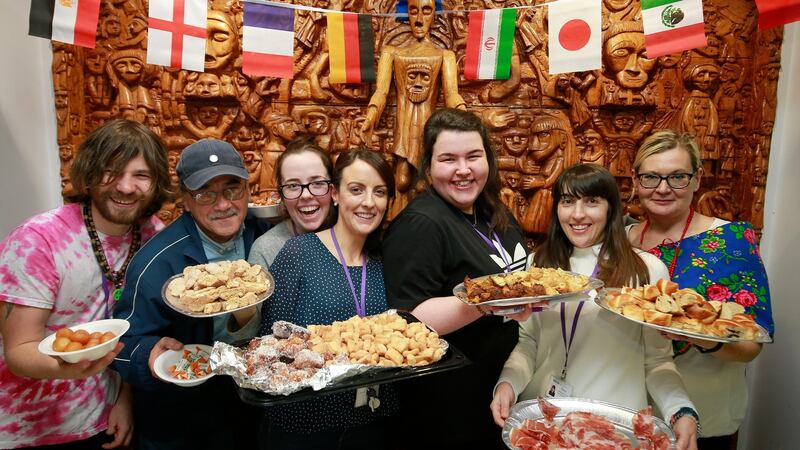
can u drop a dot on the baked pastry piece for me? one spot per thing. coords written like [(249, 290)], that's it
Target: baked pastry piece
[(683, 309)]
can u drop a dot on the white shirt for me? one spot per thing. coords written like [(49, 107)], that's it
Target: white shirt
[(612, 358)]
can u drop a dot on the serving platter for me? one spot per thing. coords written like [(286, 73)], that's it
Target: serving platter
[(621, 417), (172, 301), (761, 337), (589, 292)]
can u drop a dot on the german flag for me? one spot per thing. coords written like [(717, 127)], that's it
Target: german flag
[(351, 48)]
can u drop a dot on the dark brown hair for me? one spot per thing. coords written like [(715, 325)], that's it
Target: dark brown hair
[(488, 202), (300, 145), (619, 265), (372, 246), (109, 148)]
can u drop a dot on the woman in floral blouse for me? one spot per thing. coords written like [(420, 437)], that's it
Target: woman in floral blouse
[(717, 258)]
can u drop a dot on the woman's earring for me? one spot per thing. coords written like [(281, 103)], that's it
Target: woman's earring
[(335, 203)]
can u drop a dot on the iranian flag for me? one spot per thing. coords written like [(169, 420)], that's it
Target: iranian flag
[(672, 26), (490, 40), (70, 21)]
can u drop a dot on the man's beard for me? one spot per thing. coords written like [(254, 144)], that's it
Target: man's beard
[(101, 200)]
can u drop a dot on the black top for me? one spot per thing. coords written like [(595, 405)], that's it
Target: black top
[(427, 250)]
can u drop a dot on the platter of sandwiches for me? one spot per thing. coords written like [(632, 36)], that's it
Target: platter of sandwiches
[(667, 307), (207, 290), (523, 287)]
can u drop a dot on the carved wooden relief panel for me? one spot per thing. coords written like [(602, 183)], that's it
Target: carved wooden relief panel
[(725, 94)]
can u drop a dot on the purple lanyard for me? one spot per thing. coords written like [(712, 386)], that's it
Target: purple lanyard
[(361, 307), (494, 244), (107, 292), (568, 344)]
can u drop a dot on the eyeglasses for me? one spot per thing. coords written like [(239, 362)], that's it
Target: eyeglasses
[(210, 197), (675, 180), (291, 191)]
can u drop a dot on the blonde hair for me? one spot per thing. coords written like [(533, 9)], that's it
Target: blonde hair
[(665, 140)]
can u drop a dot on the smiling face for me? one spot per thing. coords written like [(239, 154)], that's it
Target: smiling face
[(664, 201), (121, 199), (459, 168), (362, 196), (583, 219), (308, 211), (222, 219)]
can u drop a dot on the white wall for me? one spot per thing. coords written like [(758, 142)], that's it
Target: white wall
[(774, 377), (29, 183), (29, 165)]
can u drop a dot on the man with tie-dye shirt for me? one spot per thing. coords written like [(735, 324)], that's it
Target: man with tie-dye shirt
[(63, 268)]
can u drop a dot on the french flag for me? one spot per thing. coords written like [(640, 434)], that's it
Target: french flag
[(268, 41), (73, 22)]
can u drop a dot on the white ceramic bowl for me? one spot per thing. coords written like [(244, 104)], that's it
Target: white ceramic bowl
[(170, 357), (116, 326)]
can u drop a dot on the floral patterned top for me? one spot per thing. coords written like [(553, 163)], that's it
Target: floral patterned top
[(722, 264)]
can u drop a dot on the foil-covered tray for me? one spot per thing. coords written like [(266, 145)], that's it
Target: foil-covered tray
[(170, 300), (337, 377), (589, 292), (762, 336), (621, 417)]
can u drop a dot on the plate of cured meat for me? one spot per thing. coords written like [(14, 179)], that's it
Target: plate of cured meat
[(537, 284), (582, 423), (666, 307), (208, 290)]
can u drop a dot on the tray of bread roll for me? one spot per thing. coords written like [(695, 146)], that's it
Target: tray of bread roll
[(208, 290), (683, 311)]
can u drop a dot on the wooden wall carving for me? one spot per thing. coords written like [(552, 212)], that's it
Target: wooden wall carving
[(724, 93)]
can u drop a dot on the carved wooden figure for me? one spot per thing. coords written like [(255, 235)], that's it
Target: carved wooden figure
[(725, 93)]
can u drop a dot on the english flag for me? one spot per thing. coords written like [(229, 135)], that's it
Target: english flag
[(73, 22), (574, 38), (176, 34)]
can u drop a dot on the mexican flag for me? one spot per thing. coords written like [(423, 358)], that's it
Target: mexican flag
[(672, 26), (490, 41)]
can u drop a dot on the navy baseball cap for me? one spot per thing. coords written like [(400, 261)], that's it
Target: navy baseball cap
[(207, 159)]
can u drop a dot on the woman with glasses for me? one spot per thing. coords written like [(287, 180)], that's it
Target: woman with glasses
[(303, 173), (332, 275), (717, 258)]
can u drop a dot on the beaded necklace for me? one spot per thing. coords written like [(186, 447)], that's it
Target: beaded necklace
[(117, 278), (674, 261)]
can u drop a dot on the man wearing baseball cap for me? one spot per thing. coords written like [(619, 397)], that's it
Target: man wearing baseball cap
[(215, 226)]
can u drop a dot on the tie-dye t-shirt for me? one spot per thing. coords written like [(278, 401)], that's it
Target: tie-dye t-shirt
[(47, 262)]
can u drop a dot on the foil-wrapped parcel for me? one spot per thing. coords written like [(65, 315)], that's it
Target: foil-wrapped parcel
[(294, 358)]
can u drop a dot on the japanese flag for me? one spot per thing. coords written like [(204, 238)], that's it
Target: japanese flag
[(574, 35)]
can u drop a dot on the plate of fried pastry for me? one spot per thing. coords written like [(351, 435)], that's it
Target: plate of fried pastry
[(208, 290), (523, 287), (666, 307)]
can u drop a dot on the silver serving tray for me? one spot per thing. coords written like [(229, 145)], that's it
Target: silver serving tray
[(589, 292), (761, 337), (621, 417), (170, 300)]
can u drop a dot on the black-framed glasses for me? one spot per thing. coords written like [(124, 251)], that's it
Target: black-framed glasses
[(677, 180), (291, 191), (210, 197)]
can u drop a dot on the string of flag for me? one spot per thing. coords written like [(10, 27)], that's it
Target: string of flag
[(177, 33)]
